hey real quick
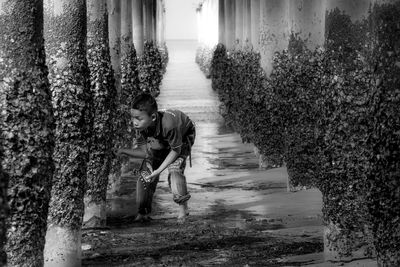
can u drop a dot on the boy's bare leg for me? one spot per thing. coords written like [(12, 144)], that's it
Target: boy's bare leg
[(179, 187), (144, 199), (141, 201), (183, 211)]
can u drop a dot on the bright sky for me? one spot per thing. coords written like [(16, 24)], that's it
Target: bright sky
[(181, 21)]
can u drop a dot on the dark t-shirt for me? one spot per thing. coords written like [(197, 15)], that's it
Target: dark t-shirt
[(172, 128)]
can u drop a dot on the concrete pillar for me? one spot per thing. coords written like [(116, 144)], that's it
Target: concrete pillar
[(246, 22), (198, 18), (385, 28), (334, 241), (356, 9), (137, 25), (148, 19), (154, 20), (307, 21), (274, 30), (65, 44), (126, 25), (203, 20), (230, 23), (103, 92), (114, 33), (26, 106), (255, 24), (164, 22), (239, 22), (221, 22), (159, 21), (213, 24), (200, 25)]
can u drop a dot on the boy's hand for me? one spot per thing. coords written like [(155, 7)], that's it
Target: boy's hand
[(152, 176), (118, 152)]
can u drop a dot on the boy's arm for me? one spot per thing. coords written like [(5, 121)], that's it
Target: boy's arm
[(174, 138), (139, 152), (134, 153), (171, 157)]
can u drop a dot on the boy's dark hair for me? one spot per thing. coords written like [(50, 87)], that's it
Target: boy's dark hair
[(145, 102)]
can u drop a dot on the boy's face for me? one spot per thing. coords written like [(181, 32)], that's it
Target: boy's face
[(142, 120)]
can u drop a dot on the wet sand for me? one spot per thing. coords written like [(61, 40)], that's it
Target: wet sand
[(239, 215)]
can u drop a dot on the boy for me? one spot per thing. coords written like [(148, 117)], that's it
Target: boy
[(165, 138)]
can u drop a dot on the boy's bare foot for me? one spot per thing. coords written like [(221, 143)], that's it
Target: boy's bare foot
[(139, 218), (181, 220), (183, 213), (142, 218)]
